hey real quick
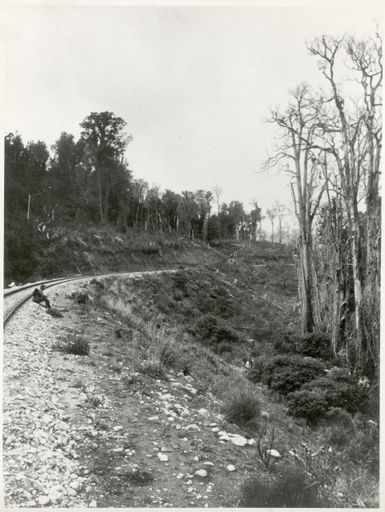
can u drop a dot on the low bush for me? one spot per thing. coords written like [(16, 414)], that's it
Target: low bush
[(180, 281), (341, 392), (241, 406), (206, 326), (285, 373), (340, 418), (291, 489), (317, 397), (309, 404), (314, 344), (153, 369), (74, 345), (213, 331)]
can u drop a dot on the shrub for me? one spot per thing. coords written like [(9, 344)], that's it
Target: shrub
[(206, 326), (75, 345), (241, 406), (309, 404), (180, 281), (139, 477), (285, 373), (213, 331), (314, 344), (341, 418), (343, 392), (315, 398), (153, 369), (291, 489), (226, 334)]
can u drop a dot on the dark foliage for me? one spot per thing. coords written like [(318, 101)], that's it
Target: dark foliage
[(241, 408), (309, 404), (214, 332), (314, 344), (285, 373), (75, 345), (343, 393), (315, 398), (291, 489)]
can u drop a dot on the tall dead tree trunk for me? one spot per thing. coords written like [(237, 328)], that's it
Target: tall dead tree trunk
[(357, 157), (298, 124)]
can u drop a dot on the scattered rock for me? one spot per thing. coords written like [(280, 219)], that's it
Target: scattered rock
[(192, 426), (44, 500), (273, 453)]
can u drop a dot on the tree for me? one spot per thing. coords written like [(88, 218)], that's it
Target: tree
[(104, 152), (298, 124), (203, 200), (271, 214), (237, 216), (217, 194), (351, 134), (170, 202), (187, 212), (63, 176), (255, 220), (279, 211)]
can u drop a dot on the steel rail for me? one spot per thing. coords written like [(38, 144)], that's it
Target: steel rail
[(49, 283), (61, 280)]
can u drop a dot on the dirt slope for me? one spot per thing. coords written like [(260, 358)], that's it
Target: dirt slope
[(90, 431)]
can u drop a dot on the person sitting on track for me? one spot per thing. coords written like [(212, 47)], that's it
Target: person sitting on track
[(39, 296)]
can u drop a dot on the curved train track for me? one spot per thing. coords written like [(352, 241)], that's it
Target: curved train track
[(22, 294)]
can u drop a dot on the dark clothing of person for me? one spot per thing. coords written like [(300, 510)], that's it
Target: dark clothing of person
[(38, 296)]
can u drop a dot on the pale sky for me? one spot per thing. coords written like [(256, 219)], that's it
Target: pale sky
[(194, 84)]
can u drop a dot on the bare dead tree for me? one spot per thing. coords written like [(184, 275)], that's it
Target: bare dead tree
[(298, 126), (351, 134)]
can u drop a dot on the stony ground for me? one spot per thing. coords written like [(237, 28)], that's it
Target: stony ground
[(87, 431)]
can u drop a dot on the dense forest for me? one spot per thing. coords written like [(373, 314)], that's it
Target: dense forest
[(89, 180), (331, 148)]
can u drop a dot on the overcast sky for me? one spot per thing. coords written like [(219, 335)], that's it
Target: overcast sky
[(194, 84)]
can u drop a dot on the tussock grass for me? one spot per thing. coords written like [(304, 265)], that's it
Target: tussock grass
[(241, 406)]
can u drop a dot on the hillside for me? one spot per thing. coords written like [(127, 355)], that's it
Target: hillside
[(158, 405), (73, 249)]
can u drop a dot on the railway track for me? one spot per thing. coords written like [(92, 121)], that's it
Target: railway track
[(16, 297)]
